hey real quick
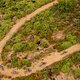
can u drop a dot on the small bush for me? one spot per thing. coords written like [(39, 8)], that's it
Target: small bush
[(18, 38), (71, 38), (66, 67), (26, 62), (66, 5), (19, 47), (14, 61), (76, 72), (19, 63), (44, 44), (37, 39), (65, 45), (31, 46), (75, 57), (39, 56)]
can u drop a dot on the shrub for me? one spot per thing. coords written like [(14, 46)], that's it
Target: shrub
[(26, 62), (75, 57), (19, 63), (44, 44), (65, 45), (27, 29), (38, 56), (7, 48), (76, 72), (71, 38), (31, 46), (19, 47), (37, 39), (66, 5), (18, 38), (65, 67), (14, 61)]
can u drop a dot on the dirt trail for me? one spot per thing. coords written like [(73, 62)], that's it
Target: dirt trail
[(54, 57), (22, 21)]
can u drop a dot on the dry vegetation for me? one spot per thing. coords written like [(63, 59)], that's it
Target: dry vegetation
[(58, 27), (10, 13)]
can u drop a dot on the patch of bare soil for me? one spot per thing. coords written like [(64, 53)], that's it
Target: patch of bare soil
[(64, 76), (58, 35)]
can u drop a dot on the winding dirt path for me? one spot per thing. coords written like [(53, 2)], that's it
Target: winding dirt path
[(54, 57), (22, 21)]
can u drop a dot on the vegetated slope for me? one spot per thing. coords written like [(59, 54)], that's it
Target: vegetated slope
[(69, 66), (11, 10), (41, 32), (37, 66), (21, 22), (70, 24)]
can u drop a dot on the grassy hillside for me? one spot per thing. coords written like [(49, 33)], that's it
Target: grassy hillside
[(58, 26), (39, 32), (11, 10)]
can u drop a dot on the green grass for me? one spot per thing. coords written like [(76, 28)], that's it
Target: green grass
[(66, 5), (70, 39), (41, 27), (19, 63), (11, 13)]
